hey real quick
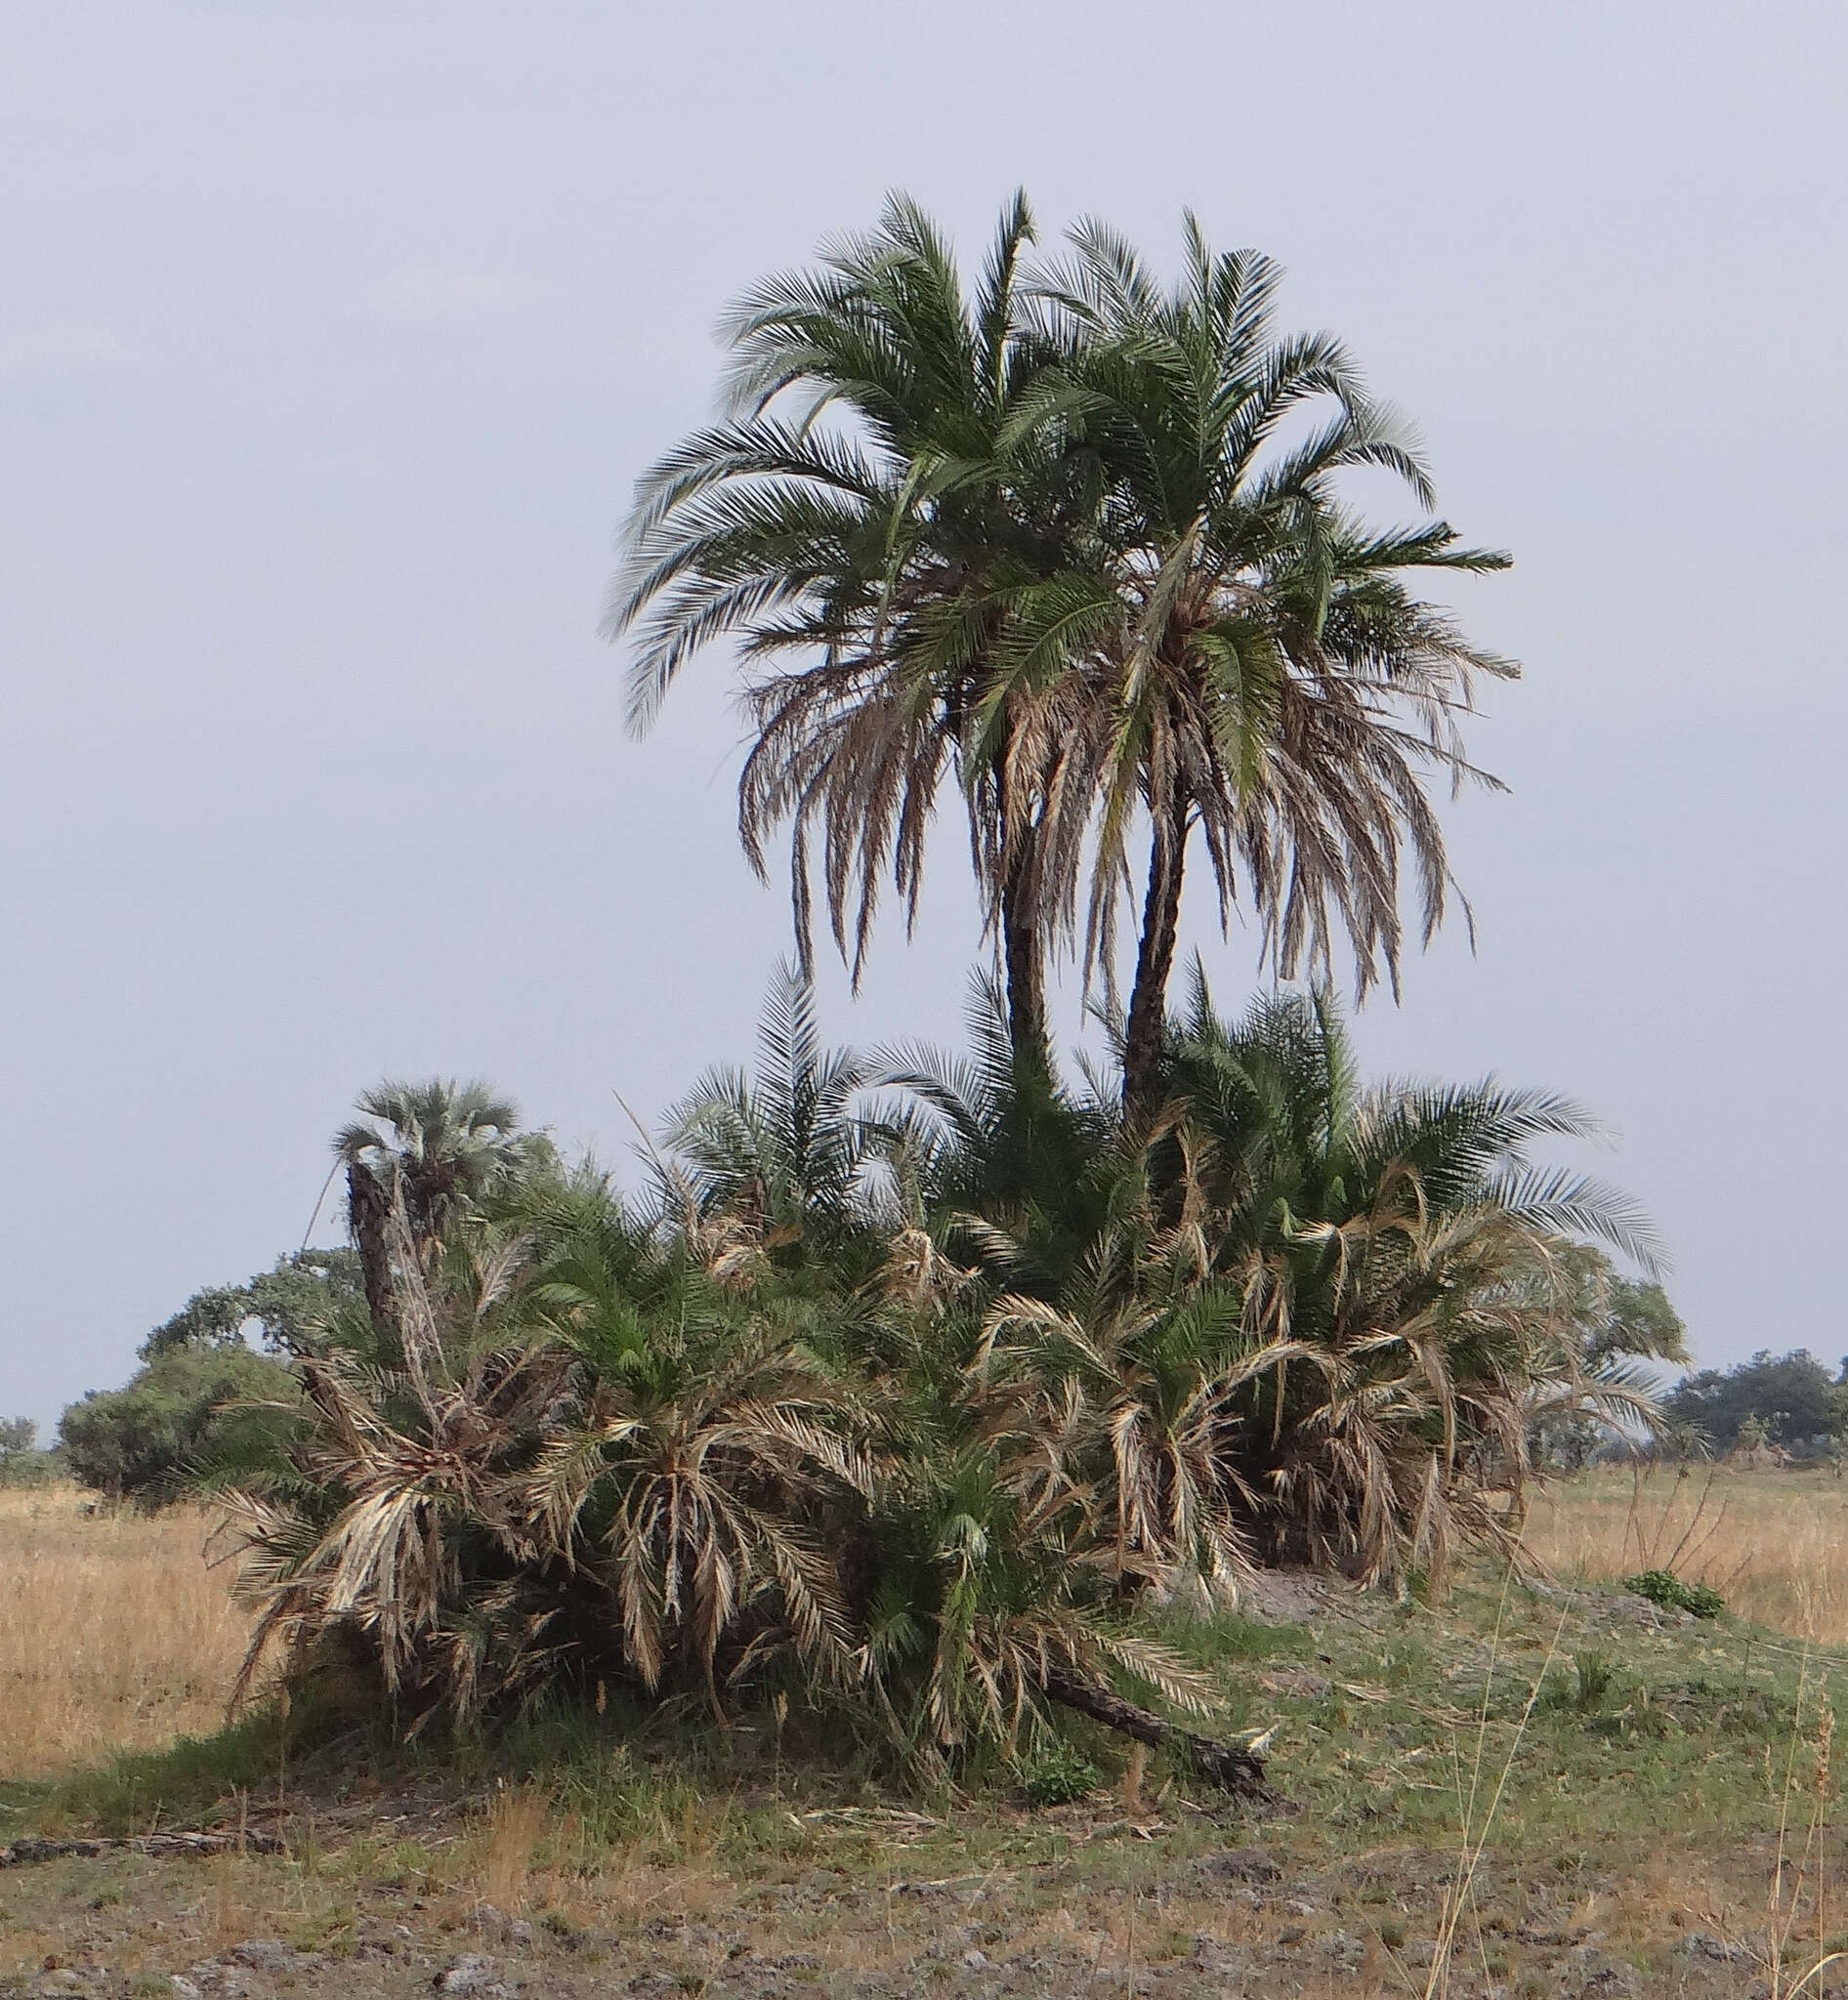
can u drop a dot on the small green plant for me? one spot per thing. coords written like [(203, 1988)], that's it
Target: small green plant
[(1588, 1687), (1057, 1774), (1664, 1588)]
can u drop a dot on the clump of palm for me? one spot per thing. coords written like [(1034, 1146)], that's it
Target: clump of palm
[(919, 1377), (995, 1595), (578, 1458), (1133, 1407), (691, 1466), (1400, 1262), (394, 1518)]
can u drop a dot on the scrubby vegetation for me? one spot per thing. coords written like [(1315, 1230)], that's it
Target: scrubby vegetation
[(22, 1462), (143, 1441), (919, 1388), (912, 1383)]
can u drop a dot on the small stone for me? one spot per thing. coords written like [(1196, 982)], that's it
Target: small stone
[(470, 1973), (183, 1989), (1241, 1864), (262, 1955), (1297, 1907), (1292, 1933), (978, 1961)]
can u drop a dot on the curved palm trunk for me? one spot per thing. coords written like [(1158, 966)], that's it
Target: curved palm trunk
[(1155, 954), (1228, 1765)]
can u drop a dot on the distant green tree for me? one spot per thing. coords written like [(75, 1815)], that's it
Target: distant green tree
[(1635, 1317), (292, 1307), (22, 1463), (177, 1415), (1784, 1400)]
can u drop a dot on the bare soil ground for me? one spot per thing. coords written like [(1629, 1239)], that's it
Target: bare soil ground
[(1119, 1908)]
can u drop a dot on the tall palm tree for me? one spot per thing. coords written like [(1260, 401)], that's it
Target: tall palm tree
[(1262, 672), (876, 495), (429, 1147)]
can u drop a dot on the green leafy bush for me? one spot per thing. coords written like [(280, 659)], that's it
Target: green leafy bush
[(1057, 1774), (1664, 1588), (181, 1410)]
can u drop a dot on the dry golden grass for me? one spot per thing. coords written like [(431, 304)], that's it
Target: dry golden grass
[(1774, 1543), (517, 1823), (114, 1634)]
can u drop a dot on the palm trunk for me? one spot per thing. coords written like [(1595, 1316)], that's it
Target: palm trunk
[(1155, 954), (366, 1212), (1020, 956), (1232, 1768)]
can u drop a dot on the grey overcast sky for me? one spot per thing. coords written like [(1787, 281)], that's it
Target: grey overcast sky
[(332, 336)]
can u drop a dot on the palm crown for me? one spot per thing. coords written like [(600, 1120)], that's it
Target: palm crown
[(869, 507), (1076, 540), (1261, 672)]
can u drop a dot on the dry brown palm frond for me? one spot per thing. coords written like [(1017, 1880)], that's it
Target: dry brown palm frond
[(919, 1276), (411, 1466), (1084, 1421), (707, 1496)]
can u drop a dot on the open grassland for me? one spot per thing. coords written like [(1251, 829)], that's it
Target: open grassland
[(1658, 1770), (1774, 1543), (114, 1634)]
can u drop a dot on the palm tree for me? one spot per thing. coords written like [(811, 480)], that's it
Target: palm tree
[(395, 1512), (1410, 1293), (783, 1157), (689, 1465), (862, 519), (430, 1149), (1261, 672), (993, 1596), (1014, 1168), (1131, 1403)]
